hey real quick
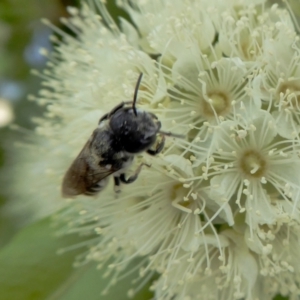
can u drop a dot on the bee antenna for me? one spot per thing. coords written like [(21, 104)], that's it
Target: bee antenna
[(136, 92), (167, 133)]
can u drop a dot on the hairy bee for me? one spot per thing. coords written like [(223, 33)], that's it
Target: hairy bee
[(121, 134)]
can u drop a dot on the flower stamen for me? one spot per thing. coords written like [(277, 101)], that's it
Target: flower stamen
[(218, 103), (253, 164)]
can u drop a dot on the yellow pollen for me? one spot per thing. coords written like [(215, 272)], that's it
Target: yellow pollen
[(253, 164), (219, 103), (250, 47), (291, 91), (179, 192)]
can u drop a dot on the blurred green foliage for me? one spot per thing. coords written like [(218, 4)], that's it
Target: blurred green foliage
[(281, 298), (1, 157), (22, 19), (30, 268)]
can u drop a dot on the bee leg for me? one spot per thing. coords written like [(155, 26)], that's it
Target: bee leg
[(117, 184), (114, 110), (158, 148), (134, 176)]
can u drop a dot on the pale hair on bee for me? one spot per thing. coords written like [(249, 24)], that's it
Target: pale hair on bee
[(121, 134)]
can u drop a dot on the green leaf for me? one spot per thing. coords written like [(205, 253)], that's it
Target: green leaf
[(1, 156), (30, 268), (279, 297), (89, 284)]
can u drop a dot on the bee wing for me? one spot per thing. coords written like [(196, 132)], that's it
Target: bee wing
[(84, 173)]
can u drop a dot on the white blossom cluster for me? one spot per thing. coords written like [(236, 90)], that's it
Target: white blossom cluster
[(216, 216)]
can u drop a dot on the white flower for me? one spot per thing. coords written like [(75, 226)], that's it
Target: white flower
[(162, 24), (243, 33), (251, 267), (211, 213), (278, 85), (207, 92), (275, 248), (250, 163), (159, 217), (232, 275)]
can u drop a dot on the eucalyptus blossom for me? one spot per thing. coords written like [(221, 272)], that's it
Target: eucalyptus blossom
[(217, 213)]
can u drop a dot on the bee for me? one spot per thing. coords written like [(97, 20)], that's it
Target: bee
[(121, 134)]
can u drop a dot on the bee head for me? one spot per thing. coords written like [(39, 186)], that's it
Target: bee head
[(134, 130)]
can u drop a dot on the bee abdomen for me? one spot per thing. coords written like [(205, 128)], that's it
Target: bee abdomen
[(96, 188)]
